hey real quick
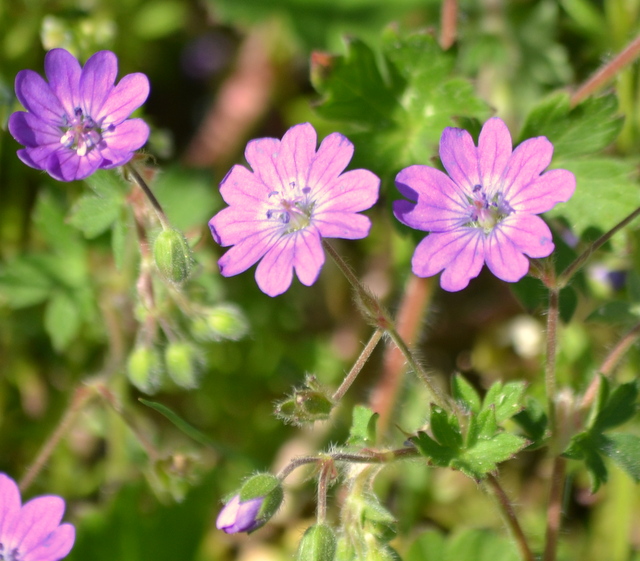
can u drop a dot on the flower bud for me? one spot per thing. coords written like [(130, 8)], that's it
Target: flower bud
[(172, 255), (182, 361), (306, 405), (220, 322), (258, 500), (144, 369), (318, 544), (377, 520)]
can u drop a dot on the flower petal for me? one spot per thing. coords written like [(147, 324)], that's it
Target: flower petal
[(494, 151), (55, 546), (459, 156), (130, 93), (96, 81), (9, 504), (527, 162), (242, 187), (297, 150), (504, 258), (460, 253), (121, 142), (330, 161), (308, 256), (353, 191), (63, 72), (37, 97), (261, 154), (31, 131), (441, 205), (247, 252), (345, 225), (37, 519), (544, 192), (529, 233), (66, 165), (275, 272)]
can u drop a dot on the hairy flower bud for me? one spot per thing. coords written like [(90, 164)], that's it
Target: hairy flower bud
[(306, 405), (258, 500), (172, 255), (144, 368), (318, 544), (220, 323), (182, 362)]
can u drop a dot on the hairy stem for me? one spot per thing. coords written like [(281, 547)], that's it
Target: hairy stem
[(133, 172), (81, 396), (554, 509), (607, 72), (357, 367), (550, 366), (326, 470), (511, 518), (448, 23)]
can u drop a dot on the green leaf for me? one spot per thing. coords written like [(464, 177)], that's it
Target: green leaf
[(606, 193), (507, 399), (480, 545), (620, 406), (533, 419), (465, 394), (445, 428), (107, 184), (95, 214), (61, 320), (24, 282), (624, 450), (428, 546), (119, 240), (582, 130), (584, 447), (485, 455), (363, 427), (437, 454), (616, 312), (49, 218)]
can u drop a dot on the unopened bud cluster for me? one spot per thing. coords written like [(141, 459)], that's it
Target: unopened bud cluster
[(308, 404)]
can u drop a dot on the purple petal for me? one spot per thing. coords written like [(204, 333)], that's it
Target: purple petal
[(55, 546), (31, 131), (353, 191), (544, 192), (9, 504), (38, 157), (239, 517), (332, 158), (345, 225), (130, 93), (234, 224), (441, 205), (38, 518), (529, 233), (66, 165), (503, 257), (63, 72), (96, 81), (308, 255), (459, 157), (297, 150), (459, 252), (275, 272), (494, 151), (247, 252), (37, 97), (527, 162), (261, 155), (241, 187), (122, 141)]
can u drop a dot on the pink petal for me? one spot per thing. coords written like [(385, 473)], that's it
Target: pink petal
[(37, 97), (63, 72), (345, 225), (234, 224), (308, 256), (529, 233), (527, 162), (494, 151), (9, 504), (38, 518), (261, 155), (544, 192), (460, 158), (55, 546), (241, 187), (459, 252), (441, 204), (503, 257), (353, 191), (248, 252), (332, 158), (275, 272), (130, 93), (297, 150), (96, 81)]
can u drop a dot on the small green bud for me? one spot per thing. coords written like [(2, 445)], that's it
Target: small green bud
[(306, 405), (318, 544), (219, 323), (266, 487), (377, 520), (182, 362), (144, 368), (172, 255)]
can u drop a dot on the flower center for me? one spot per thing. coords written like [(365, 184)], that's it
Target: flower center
[(81, 132), (292, 207), (485, 212), (9, 554)]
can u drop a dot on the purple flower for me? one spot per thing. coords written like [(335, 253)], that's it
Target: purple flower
[(294, 197), (78, 122), (32, 532), (240, 517), (485, 211)]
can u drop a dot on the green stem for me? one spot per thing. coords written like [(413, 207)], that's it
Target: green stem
[(550, 366), (133, 172)]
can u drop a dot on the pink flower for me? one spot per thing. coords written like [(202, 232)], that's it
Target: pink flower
[(485, 210), (78, 121), (32, 532), (279, 212)]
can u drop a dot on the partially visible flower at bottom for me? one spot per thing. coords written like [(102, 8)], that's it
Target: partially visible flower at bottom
[(295, 196), (32, 532), (239, 517), (485, 209)]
